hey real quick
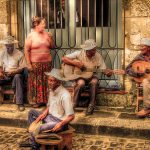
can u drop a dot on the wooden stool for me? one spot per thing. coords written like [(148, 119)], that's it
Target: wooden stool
[(67, 139), (139, 95), (64, 142), (6, 90), (48, 139)]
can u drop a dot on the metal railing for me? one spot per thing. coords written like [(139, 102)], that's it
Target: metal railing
[(69, 35)]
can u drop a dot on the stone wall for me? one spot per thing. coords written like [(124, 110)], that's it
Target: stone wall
[(137, 25), (4, 19), (8, 14)]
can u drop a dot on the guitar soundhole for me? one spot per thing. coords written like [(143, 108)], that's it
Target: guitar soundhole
[(147, 71)]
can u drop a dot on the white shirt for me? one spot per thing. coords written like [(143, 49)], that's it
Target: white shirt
[(60, 103), (12, 62), (95, 62)]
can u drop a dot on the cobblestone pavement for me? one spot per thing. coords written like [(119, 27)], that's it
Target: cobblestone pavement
[(10, 137)]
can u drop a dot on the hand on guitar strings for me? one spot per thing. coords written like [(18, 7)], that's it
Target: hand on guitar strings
[(147, 71), (108, 72), (79, 64), (140, 73), (9, 74)]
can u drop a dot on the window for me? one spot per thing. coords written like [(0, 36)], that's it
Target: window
[(89, 8), (52, 11)]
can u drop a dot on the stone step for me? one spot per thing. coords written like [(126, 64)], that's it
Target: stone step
[(104, 121)]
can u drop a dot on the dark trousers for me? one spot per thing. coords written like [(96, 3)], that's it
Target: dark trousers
[(17, 85), (80, 84)]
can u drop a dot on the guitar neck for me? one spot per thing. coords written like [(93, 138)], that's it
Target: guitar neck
[(115, 71)]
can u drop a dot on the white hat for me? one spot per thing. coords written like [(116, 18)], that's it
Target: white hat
[(9, 40), (145, 41), (56, 73), (89, 45)]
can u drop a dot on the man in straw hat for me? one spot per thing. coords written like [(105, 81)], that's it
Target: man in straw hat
[(86, 58), (145, 57), (59, 111), (12, 63)]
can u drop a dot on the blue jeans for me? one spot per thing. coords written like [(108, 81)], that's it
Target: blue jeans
[(48, 122)]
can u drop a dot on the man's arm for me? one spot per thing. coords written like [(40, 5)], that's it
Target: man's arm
[(43, 115), (102, 65), (69, 59), (59, 125), (71, 62), (15, 71)]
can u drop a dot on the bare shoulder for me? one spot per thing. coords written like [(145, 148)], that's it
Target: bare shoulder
[(30, 36)]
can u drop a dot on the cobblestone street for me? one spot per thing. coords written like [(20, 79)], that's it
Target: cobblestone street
[(10, 137)]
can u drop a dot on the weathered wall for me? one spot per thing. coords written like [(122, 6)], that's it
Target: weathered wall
[(4, 18), (137, 25), (7, 15)]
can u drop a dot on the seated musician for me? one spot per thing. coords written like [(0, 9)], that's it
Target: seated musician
[(86, 58), (12, 63), (58, 113), (142, 74)]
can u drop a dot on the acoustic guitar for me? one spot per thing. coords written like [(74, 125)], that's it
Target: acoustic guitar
[(74, 72), (140, 66)]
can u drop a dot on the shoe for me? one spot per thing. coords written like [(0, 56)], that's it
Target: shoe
[(143, 113), (21, 107), (90, 110)]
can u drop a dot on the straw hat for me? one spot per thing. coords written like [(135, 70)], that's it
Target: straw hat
[(9, 40), (89, 45), (56, 73)]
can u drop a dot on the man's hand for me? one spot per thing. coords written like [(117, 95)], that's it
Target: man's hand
[(140, 73), (41, 117), (79, 64), (11, 73), (108, 72), (1, 75), (57, 127)]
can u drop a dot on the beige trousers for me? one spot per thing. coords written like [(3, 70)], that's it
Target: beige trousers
[(146, 93)]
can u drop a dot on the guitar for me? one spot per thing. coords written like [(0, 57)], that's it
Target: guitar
[(140, 66), (74, 72)]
